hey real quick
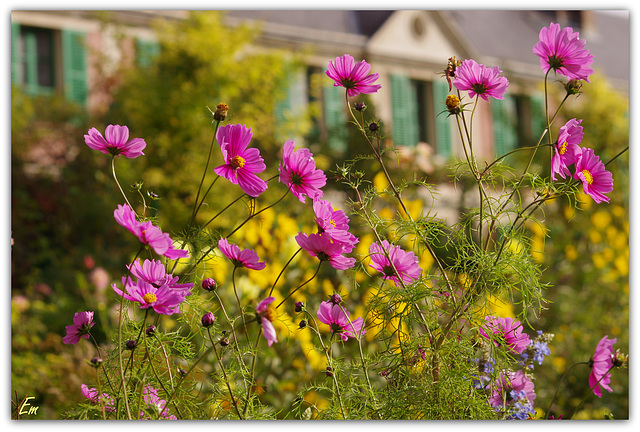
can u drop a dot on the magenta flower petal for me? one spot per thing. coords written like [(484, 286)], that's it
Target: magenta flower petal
[(162, 299), (566, 149), (338, 321), (323, 247), (562, 50), (116, 143), (477, 79), (507, 331), (81, 327), (596, 180), (298, 171), (508, 382), (335, 223), (241, 164), (406, 263), (354, 77), (600, 364), (240, 258)]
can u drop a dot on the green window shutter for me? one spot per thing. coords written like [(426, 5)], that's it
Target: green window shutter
[(291, 105), (31, 63), (146, 50), (538, 120), (404, 105), (505, 133), (74, 65), (335, 117), (442, 121), (16, 54)]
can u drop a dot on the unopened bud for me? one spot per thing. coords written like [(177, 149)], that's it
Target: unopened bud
[(335, 299), (298, 306), (302, 324), (224, 342), (209, 284), (360, 106), (96, 362), (453, 104), (373, 126), (573, 87), (221, 112), (130, 344), (151, 330), (208, 319), (619, 359)]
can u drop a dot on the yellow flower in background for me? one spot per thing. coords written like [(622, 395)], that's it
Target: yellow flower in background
[(499, 307), (414, 207), (570, 252), (380, 182), (601, 219), (585, 200), (595, 236)]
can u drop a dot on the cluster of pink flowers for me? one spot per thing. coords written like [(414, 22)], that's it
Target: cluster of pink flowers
[(589, 169), (154, 288)]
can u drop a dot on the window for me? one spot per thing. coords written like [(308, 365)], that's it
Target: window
[(44, 60), (416, 107)]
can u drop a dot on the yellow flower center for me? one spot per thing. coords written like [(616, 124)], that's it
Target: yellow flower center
[(149, 298), (332, 222), (270, 313), (563, 148), (587, 176), (237, 162)]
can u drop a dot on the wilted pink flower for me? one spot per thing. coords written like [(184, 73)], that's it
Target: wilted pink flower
[(323, 247), (241, 164), (162, 299), (153, 272), (298, 171), (406, 263), (480, 80), (267, 314), (354, 77), (335, 223), (81, 327), (92, 395), (338, 320), (596, 180), (562, 50), (240, 258), (566, 149), (505, 331), (148, 233), (601, 363), (116, 143)]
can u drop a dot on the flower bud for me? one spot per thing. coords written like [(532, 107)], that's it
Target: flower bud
[(221, 112), (96, 362), (224, 342), (373, 126), (619, 359), (298, 306), (329, 371), (209, 284), (302, 324), (453, 104), (182, 372), (151, 330), (573, 87), (360, 106), (130, 344), (335, 299), (208, 319)]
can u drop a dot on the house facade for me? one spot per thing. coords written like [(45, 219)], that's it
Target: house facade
[(408, 48)]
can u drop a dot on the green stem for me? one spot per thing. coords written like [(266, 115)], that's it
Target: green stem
[(303, 284), (113, 172), (546, 413), (224, 374)]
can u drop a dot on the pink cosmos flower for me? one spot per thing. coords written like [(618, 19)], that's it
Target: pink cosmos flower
[(509, 383), (148, 233), (240, 258), (298, 171), (267, 314), (406, 263), (338, 320), (563, 51), (323, 247), (600, 364), (81, 327), (335, 223), (116, 143), (155, 404), (153, 272), (354, 77), (480, 80), (162, 299), (596, 180), (567, 148), (242, 164), (92, 395), (505, 330)]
